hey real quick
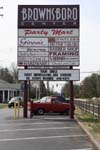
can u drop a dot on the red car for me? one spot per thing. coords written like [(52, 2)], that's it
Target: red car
[(52, 104)]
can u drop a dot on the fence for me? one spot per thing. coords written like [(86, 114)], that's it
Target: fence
[(90, 107)]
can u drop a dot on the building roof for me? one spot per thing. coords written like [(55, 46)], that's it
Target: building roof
[(9, 86)]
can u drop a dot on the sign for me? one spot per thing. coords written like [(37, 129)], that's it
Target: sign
[(48, 35), (48, 16), (48, 47), (48, 32), (34, 42), (49, 74)]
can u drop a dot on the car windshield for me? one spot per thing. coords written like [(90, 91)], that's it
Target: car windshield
[(44, 99)]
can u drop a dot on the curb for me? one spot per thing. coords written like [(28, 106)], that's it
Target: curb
[(89, 134)]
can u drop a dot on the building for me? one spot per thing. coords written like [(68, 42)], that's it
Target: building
[(8, 90)]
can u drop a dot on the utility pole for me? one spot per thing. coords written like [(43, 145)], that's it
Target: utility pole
[(1, 15), (97, 84), (36, 93), (39, 89), (47, 88)]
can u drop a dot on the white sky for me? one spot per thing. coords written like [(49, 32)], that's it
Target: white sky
[(89, 32)]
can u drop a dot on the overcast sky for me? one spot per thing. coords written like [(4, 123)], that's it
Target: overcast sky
[(89, 32)]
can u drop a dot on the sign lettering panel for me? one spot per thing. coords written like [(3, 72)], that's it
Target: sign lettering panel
[(49, 74), (54, 50), (48, 16)]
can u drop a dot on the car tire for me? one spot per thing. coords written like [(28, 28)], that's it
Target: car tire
[(40, 111)]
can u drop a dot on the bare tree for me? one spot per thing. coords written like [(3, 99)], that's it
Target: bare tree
[(14, 72)]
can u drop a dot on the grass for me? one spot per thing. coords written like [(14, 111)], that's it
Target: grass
[(3, 105), (90, 122)]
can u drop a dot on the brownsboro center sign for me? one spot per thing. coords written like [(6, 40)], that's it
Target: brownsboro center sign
[(48, 35)]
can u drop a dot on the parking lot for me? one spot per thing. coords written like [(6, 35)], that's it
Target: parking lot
[(47, 132)]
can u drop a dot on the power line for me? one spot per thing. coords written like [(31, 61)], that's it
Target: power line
[(89, 72)]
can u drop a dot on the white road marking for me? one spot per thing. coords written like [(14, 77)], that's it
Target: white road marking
[(36, 129), (46, 137), (8, 124), (83, 149), (57, 118), (36, 118), (23, 119)]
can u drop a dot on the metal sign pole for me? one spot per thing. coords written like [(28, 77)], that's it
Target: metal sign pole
[(71, 98), (25, 98)]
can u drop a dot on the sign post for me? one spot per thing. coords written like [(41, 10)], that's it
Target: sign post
[(71, 98), (25, 97), (48, 40)]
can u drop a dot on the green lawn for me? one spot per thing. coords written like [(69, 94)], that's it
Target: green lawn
[(3, 105), (90, 122)]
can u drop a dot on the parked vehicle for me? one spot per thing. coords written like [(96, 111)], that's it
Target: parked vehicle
[(52, 105), (44, 99), (15, 99)]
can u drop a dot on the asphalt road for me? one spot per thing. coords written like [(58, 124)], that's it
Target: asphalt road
[(48, 132)]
